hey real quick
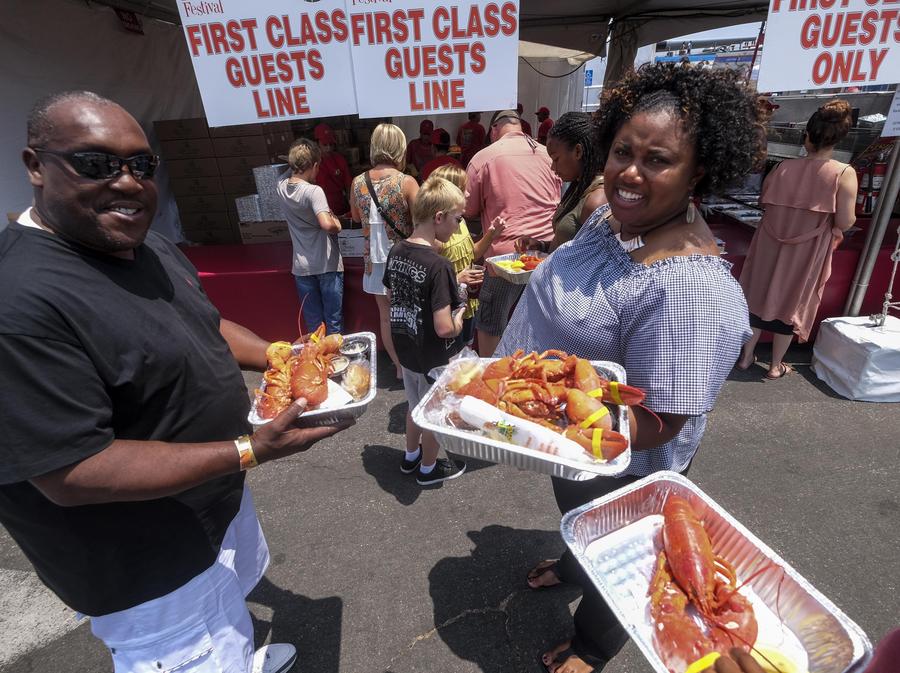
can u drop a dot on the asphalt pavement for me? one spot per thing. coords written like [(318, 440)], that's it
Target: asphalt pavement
[(372, 573)]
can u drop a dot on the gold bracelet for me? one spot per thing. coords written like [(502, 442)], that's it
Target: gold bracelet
[(245, 452)]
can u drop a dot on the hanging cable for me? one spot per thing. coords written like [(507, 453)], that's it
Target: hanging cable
[(543, 74)]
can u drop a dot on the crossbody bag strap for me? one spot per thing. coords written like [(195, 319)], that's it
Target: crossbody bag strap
[(381, 211)]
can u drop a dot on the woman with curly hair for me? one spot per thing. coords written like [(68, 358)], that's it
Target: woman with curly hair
[(809, 203), (642, 284), (574, 149)]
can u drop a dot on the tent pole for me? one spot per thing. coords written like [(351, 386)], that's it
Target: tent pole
[(759, 39), (875, 235)]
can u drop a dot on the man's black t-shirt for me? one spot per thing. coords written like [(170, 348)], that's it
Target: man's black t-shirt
[(421, 282), (95, 348)]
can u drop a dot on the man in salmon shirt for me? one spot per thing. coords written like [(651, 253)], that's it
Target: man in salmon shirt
[(510, 178), (334, 174)]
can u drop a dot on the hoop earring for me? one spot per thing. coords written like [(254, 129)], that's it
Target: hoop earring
[(690, 213)]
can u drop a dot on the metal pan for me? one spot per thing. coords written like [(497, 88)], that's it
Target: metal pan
[(475, 445), (616, 540)]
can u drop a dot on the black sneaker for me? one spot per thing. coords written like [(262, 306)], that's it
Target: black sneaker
[(410, 466), (444, 469)]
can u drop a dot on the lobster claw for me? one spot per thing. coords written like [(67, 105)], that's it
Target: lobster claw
[(604, 445)]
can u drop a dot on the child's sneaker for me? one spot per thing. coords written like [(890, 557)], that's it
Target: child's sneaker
[(410, 466), (444, 469)]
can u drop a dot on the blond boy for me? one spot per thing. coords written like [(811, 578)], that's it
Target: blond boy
[(426, 316)]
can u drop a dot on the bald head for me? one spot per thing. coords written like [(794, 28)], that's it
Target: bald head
[(78, 160), (43, 119)]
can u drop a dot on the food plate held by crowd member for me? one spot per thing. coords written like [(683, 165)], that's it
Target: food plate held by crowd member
[(308, 369), (551, 412), (516, 268), (689, 584)]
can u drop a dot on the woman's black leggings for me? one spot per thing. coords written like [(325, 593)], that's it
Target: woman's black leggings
[(598, 634)]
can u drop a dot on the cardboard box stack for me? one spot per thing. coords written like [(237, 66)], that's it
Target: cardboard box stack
[(223, 177), (261, 219), (210, 167)]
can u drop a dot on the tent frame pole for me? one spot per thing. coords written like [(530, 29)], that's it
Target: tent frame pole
[(875, 235)]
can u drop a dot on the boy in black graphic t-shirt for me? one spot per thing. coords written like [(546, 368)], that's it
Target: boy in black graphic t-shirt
[(426, 315)]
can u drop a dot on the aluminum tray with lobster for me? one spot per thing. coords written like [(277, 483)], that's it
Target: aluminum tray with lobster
[(690, 583), (297, 371), (550, 413)]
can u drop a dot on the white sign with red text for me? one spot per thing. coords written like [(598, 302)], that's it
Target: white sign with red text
[(413, 57), (270, 61), (819, 44)]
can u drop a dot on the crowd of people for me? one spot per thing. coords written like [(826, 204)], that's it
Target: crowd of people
[(143, 465)]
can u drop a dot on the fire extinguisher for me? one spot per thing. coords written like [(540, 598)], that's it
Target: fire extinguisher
[(863, 176), (879, 170), (861, 195), (869, 203), (862, 186)]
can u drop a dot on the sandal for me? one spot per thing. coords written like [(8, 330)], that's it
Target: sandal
[(783, 370), (561, 658), (548, 566)]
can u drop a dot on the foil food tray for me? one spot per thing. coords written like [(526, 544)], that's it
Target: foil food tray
[(518, 278), (616, 539), (475, 445), (353, 410)]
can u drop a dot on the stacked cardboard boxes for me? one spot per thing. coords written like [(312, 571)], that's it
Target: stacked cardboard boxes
[(210, 167)]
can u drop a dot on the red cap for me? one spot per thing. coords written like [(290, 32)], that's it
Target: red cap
[(427, 126), (543, 110), (324, 134)]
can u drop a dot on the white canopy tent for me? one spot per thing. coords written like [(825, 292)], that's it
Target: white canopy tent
[(54, 45)]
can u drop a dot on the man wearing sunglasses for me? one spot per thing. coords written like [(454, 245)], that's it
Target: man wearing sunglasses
[(124, 433)]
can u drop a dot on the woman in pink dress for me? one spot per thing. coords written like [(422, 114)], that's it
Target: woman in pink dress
[(809, 203)]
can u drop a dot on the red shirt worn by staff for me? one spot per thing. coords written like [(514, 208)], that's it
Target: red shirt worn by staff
[(437, 162), (526, 127), (334, 174), (421, 150), (334, 178), (543, 115), (470, 138)]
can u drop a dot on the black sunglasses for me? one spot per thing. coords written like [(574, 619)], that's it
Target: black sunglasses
[(103, 166)]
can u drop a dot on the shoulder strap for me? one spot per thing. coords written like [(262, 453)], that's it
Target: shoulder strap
[(381, 211)]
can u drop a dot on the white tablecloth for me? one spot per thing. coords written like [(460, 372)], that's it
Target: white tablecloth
[(859, 361)]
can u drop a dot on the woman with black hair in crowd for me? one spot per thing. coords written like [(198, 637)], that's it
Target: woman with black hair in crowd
[(642, 284), (575, 151), (810, 203)]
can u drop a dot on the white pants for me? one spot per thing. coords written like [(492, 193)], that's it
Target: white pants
[(203, 626)]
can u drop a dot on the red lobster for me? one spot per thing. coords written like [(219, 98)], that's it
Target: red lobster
[(312, 367), (535, 386), (290, 376), (687, 572)]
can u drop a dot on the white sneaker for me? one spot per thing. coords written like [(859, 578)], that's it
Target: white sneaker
[(274, 658)]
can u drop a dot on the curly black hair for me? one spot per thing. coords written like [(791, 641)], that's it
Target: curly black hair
[(575, 128), (718, 110)]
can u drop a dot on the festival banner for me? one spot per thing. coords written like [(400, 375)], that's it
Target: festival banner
[(270, 61), (819, 44), (413, 57)]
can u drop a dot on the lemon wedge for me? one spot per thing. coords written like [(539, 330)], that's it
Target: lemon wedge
[(784, 665)]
